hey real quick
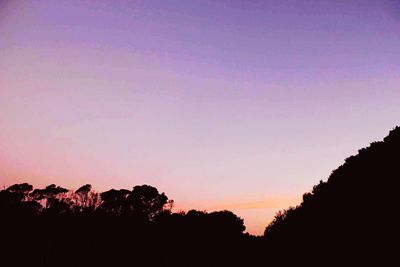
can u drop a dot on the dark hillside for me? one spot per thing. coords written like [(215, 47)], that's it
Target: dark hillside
[(351, 216)]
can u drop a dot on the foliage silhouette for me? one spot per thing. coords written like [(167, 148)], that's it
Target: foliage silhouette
[(58, 227), (348, 220)]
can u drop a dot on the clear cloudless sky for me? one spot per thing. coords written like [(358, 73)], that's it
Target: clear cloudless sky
[(240, 105)]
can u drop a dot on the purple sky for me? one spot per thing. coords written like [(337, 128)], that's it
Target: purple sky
[(242, 105)]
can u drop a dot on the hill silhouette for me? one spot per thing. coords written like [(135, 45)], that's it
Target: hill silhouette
[(351, 219)]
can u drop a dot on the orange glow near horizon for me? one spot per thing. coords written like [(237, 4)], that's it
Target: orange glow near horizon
[(219, 104)]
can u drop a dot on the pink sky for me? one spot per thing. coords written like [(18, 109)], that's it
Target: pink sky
[(222, 105)]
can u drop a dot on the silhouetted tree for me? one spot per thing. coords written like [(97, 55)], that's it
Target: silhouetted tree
[(52, 195), (114, 201), (145, 201), (21, 189)]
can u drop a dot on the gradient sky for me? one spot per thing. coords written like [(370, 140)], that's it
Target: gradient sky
[(240, 105)]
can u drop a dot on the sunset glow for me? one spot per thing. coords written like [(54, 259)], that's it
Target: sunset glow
[(219, 104)]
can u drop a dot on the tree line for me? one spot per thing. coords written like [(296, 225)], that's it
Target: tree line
[(350, 219), (120, 224)]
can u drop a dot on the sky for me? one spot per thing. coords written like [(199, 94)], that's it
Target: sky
[(239, 105)]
